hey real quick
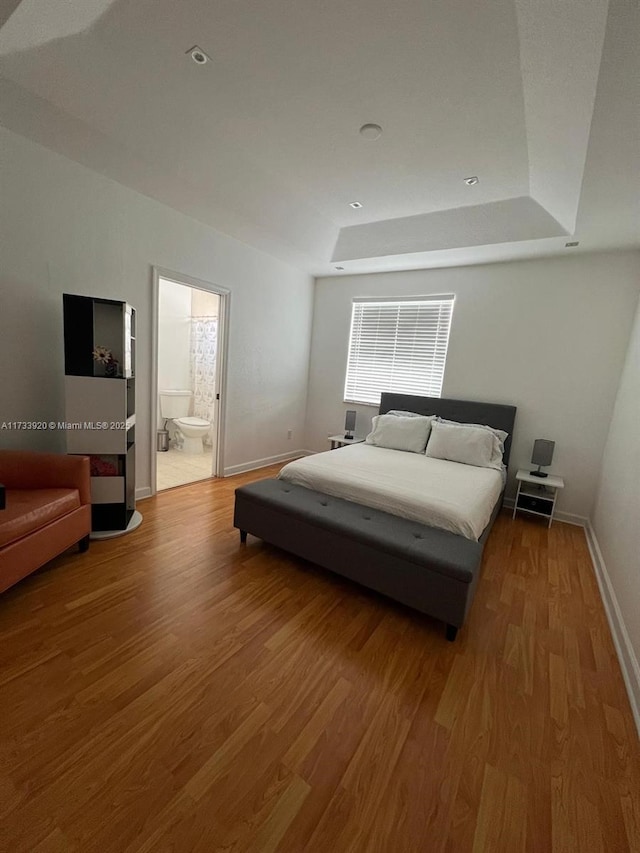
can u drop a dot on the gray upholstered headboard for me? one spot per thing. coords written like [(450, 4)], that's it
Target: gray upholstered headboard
[(463, 411)]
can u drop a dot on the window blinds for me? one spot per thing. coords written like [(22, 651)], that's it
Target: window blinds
[(397, 345)]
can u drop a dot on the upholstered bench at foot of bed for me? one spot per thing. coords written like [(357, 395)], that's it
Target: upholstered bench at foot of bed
[(430, 570)]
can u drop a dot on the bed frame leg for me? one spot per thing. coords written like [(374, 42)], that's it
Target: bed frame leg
[(243, 536), (452, 633)]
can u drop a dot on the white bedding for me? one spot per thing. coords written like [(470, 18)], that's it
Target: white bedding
[(436, 492)]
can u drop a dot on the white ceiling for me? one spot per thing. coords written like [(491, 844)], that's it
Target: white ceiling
[(539, 99)]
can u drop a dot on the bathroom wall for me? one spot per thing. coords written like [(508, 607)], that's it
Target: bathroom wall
[(177, 305), (174, 332), (204, 304)]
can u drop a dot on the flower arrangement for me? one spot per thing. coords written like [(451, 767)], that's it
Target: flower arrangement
[(101, 467), (104, 356)]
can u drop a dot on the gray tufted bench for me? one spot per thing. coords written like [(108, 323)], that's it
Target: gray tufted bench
[(430, 570)]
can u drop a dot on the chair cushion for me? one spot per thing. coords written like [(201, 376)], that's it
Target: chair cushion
[(29, 509)]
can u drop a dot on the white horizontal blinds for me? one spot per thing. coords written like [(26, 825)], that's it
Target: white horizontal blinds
[(397, 345)]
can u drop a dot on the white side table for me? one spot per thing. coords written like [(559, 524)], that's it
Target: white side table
[(340, 441), (537, 495)]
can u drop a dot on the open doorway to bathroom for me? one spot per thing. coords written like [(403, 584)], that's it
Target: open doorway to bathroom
[(189, 366)]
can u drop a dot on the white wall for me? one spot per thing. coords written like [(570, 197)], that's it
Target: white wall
[(616, 520), (64, 228), (174, 336), (548, 336)]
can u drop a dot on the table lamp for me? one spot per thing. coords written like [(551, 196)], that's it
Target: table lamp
[(349, 424), (542, 455)]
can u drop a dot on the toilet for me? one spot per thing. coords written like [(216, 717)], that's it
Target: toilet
[(194, 431), (174, 406)]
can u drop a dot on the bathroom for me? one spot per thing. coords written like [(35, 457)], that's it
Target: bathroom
[(188, 338)]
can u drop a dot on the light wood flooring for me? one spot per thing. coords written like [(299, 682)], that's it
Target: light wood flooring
[(174, 691)]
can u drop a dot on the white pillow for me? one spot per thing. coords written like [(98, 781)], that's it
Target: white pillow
[(500, 436), (467, 444), (499, 433), (400, 433), (400, 414)]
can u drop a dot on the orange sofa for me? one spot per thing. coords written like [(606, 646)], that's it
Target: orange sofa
[(47, 508)]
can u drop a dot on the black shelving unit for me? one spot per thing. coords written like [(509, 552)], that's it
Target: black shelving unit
[(100, 402)]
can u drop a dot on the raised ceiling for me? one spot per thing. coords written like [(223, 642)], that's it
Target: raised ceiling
[(262, 142)]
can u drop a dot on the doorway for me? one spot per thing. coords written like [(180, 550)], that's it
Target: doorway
[(190, 338)]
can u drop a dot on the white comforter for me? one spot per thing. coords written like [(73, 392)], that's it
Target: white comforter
[(454, 497)]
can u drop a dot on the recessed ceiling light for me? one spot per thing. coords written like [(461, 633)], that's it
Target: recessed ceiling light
[(370, 131), (355, 205), (472, 181), (572, 245), (198, 55), (339, 268)]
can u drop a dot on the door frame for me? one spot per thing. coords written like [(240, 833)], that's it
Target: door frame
[(221, 359)]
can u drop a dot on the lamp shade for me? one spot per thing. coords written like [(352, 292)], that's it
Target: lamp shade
[(542, 451)]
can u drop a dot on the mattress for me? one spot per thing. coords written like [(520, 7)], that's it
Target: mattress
[(454, 497)]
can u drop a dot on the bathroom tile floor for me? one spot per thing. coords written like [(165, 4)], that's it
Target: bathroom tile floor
[(176, 468)]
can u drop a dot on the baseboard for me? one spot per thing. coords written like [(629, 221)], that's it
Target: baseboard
[(263, 463), (143, 492), (566, 517), (626, 655), (571, 518)]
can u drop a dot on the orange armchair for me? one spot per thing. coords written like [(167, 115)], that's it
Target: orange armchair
[(47, 510)]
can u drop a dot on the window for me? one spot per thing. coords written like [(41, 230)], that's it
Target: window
[(397, 345)]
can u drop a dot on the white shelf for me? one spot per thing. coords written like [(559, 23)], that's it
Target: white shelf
[(552, 481), (96, 401), (107, 490), (534, 512)]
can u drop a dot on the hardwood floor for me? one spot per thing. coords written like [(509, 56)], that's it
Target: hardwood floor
[(173, 690)]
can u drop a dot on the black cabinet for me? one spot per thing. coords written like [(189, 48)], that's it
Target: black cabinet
[(535, 504), (99, 337), (99, 350)]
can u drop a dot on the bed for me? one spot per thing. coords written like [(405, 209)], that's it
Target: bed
[(333, 511)]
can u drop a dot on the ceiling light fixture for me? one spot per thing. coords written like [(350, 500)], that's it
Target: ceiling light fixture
[(198, 55), (355, 205), (572, 245), (472, 181), (370, 131)]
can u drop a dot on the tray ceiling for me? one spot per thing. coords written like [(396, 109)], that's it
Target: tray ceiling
[(262, 142)]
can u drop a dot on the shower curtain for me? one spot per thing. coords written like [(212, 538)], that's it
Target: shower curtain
[(203, 368)]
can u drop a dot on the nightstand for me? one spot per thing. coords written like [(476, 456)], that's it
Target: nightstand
[(340, 441), (537, 495)]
